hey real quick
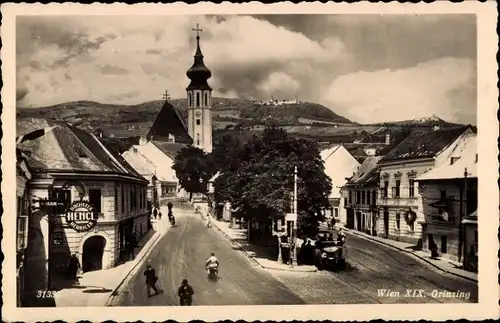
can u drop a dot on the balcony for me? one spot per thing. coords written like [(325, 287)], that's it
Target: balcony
[(439, 219)]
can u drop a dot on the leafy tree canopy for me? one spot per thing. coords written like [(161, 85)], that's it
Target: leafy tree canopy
[(194, 168), (258, 178)]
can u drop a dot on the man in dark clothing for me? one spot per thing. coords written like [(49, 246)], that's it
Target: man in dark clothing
[(185, 293), (73, 266), (131, 244), (159, 215), (170, 206), (155, 212), (151, 280)]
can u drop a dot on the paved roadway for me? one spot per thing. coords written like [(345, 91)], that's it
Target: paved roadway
[(182, 253), (372, 267)]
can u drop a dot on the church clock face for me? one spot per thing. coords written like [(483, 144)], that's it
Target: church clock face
[(198, 114)]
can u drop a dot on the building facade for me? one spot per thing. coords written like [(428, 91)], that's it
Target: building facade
[(23, 175), (449, 195), (360, 196), (68, 166), (339, 165), (401, 214)]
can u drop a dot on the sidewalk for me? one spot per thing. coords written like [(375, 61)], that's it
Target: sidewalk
[(446, 265), (262, 256), (96, 287)]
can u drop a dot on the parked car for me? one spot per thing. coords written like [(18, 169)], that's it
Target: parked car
[(329, 253)]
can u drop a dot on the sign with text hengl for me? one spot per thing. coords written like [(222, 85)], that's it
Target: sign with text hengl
[(81, 216)]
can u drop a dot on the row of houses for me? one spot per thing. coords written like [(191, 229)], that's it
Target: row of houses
[(423, 191)]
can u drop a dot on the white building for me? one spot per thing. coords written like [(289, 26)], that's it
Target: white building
[(339, 165)]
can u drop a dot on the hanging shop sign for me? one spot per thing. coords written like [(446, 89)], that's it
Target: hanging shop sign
[(81, 216), (58, 238)]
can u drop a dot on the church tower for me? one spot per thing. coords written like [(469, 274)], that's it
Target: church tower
[(199, 100)]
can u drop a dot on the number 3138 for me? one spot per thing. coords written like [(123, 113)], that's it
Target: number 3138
[(46, 294)]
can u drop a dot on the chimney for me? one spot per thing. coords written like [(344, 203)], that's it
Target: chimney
[(436, 127), (387, 138)]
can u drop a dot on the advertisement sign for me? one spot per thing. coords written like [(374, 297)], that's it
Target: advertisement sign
[(291, 217), (81, 216)]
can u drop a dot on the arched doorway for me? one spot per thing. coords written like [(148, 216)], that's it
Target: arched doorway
[(93, 250)]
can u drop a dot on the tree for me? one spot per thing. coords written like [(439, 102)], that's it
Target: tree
[(260, 179), (192, 165)]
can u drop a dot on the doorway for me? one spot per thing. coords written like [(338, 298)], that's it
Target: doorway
[(93, 250), (359, 221), (386, 222)]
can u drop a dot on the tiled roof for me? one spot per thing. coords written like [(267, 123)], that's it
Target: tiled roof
[(68, 148), (169, 148), (466, 159), (367, 173), (424, 145)]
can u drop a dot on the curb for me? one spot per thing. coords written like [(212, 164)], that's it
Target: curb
[(350, 231), (253, 259), (138, 261)]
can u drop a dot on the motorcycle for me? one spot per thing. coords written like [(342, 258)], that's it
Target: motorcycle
[(213, 273)]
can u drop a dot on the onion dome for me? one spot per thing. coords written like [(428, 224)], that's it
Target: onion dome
[(198, 73)]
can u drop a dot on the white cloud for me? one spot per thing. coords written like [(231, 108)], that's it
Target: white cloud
[(403, 94), (278, 83)]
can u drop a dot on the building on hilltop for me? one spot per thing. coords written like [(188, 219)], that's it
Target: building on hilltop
[(399, 201), (70, 165), (449, 194)]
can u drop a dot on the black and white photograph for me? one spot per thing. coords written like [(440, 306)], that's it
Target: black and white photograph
[(265, 158)]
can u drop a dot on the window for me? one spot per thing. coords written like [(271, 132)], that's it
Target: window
[(345, 201), (132, 199), (22, 232), (350, 197), (374, 197), (116, 199), (471, 201), (385, 189), (206, 98), (123, 199), (80, 152), (358, 197), (189, 99), (61, 195), (443, 195), (95, 199), (336, 212), (411, 188), (363, 196), (398, 221), (198, 122), (444, 241), (171, 138), (368, 195), (197, 139), (398, 186), (198, 99)]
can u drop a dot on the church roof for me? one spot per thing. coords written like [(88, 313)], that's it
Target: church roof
[(198, 73), (169, 148), (169, 121)]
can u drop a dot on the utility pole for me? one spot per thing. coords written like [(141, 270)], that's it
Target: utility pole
[(294, 231)]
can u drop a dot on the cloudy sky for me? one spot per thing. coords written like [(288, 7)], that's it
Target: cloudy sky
[(368, 68)]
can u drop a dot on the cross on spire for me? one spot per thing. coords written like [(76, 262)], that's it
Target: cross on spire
[(197, 29), (166, 95)]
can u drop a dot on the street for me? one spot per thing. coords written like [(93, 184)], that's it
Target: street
[(375, 274), (182, 253)]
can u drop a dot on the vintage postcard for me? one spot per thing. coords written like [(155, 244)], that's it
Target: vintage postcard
[(257, 162)]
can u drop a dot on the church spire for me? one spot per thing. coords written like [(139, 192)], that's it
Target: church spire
[(198, 73)]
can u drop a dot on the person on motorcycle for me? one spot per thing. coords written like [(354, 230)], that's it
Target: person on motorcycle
[(212, 262), (185, 293), (208, 220)]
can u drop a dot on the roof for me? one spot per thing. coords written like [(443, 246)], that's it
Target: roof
[(144, 165), (467, 159), (425, 145), (169, 148), (339, 164), (68, 148), (169, 121), (367, 173), (161, 160)]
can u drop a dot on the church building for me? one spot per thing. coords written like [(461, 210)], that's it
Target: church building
[(156, 153)]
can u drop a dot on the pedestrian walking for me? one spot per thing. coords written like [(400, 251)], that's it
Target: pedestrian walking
[(434, 249), (159, 215), (155, 212), (73, 266), (170, 206), (131, 245), (151, 280), (185, 293)]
